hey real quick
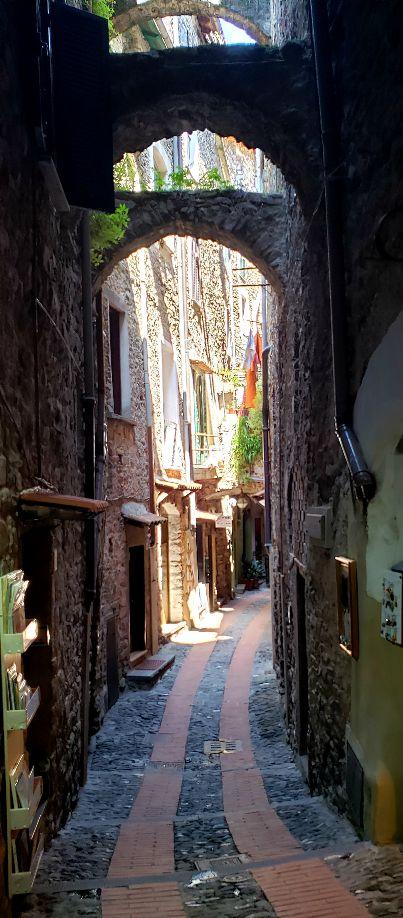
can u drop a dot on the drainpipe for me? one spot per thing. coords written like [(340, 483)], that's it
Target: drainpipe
[(90, 524), (151, 641), (100, 461), (100, 444), (265, 423), (183, 333), (150, 438), (363, 479)]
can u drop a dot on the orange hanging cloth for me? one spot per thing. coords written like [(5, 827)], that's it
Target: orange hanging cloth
[(250, 388), (258, 348)]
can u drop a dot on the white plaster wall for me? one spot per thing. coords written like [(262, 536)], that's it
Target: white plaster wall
[(378, 421)]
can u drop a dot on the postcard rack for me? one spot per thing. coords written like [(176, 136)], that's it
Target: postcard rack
[(24, 805)]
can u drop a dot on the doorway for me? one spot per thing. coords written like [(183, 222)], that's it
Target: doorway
[(302, 657), (137, 599)]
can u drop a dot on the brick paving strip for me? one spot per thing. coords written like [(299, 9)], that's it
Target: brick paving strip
[(145, 846), (257, 830), (143, 902), (307, 890), (301, 888)]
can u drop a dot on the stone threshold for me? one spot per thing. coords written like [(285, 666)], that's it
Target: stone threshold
[(172, 628), (150, 669)]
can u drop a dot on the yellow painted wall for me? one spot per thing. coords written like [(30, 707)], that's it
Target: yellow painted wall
[(377, 544)]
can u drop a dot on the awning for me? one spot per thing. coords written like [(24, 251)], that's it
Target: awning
[(176, 484), (139, 515), (202, 516), (201, 365), (40, 503), (236, 491)]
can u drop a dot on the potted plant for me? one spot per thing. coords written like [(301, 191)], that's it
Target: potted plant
[(252, 572)]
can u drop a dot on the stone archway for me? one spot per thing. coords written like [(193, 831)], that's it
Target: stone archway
[(251, 15), (253, 224), (265, 97)]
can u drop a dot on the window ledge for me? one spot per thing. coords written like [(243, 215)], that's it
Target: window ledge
[(121, 417)]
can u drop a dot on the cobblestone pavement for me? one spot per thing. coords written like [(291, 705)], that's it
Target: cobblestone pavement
[(161, 829)]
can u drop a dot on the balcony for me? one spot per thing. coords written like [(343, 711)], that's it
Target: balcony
[(207, 454)]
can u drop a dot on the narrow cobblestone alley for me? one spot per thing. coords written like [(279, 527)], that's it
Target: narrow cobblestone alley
[(161, 828)]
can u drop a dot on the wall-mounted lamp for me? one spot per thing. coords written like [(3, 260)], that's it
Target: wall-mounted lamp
[(242, 503)]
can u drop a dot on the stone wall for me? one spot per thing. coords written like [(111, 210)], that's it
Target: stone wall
[(41, 438), (307, 466)]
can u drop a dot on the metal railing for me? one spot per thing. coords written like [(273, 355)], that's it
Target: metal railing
[(207, 449)]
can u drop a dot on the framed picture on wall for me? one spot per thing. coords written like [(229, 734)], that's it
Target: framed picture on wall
[(347, 605)]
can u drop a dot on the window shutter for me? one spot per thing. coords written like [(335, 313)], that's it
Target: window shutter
[(81, 107)]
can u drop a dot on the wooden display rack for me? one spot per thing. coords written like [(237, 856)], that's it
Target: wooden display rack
[(27, 819)]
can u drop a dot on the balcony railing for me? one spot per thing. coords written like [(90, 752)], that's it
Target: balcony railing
[(207, 449)]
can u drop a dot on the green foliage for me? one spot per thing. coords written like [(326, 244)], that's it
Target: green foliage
[(182, 180), (106, 231), (236, 378), (253, 570), (124, 173), (106, 9), (212, 181), (247, 442), (255, 414)]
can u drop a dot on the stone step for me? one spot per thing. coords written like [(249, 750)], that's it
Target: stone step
[(172, 628), (150, 669)]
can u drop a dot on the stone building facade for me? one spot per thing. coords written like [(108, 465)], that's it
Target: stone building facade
[(336, 706), (41, 440)]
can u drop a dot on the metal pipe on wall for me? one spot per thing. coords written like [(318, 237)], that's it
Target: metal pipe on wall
[(265, 422), (363, 479), (89, 485)]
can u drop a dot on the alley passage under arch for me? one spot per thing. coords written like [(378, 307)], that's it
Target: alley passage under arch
[(264, 97), (253, 224)]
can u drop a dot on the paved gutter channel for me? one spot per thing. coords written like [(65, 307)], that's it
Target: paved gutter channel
[(310, 819), (202, 784)]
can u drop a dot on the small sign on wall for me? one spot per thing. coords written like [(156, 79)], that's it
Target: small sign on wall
[(391, 609), (347, 605)]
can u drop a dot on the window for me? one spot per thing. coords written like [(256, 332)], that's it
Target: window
[(116, 369), (119, 355), (170, 402), (202, 422), (195, 293)]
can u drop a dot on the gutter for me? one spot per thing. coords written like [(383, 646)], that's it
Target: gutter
[(90, 533), (265, 427), (363, 479)]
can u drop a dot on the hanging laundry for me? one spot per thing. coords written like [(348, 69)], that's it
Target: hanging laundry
[(250, 352), (258, 348), (250, 388)]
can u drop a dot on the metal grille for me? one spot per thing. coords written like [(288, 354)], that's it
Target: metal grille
[(226, 861), (220, 747)]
